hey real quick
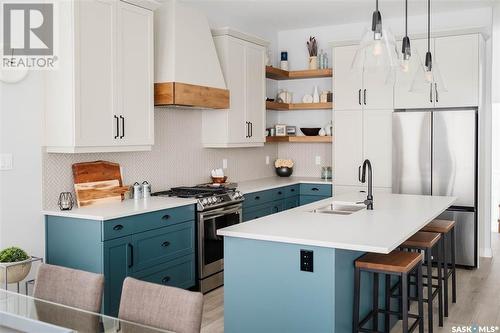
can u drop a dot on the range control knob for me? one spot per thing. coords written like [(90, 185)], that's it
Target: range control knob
[(214, 200), (204, 201)]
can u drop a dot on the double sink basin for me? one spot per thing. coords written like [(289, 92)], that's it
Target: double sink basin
[(340, 208)]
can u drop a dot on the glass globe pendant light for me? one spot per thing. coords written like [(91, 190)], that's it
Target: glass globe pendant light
[(377, 49)]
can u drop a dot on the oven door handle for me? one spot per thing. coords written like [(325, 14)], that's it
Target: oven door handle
[(217, 214)]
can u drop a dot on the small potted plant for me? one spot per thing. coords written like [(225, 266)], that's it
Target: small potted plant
[(17, 272), (312, 47), (284, 168)]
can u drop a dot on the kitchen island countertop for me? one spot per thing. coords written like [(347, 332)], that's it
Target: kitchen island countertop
[(395, 218)]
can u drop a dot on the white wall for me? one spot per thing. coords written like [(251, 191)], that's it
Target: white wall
[(21, 106), (496, 116)]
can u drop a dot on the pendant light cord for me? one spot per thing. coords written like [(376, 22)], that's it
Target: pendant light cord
[(376, 5), (428, 25), (406, 18)]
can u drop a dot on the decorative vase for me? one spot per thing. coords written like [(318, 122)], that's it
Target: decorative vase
[(15, 273), (284, 171), (313, 62), (322, 132), (315, 95)]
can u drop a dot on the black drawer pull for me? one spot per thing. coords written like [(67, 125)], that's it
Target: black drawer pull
[(315, 189), (165, 244), (165, 279), (118, 227), (280, 193), (257, 198), (292, 190), (165, 217)]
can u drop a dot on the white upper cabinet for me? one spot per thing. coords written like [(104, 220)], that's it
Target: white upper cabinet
[(347, 83), (243, 65), (357, 89), (457, 60), (100, 98)]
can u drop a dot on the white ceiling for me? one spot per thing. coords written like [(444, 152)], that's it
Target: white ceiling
[(284, 15)]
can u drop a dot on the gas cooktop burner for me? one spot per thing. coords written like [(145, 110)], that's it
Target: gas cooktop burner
[(208, 196)]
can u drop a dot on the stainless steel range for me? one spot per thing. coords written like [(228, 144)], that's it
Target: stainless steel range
[(217, 208)]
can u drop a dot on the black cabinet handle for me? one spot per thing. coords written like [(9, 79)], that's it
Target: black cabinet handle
[(165, 217), (292, 190), (430, 93), (437, 94), (118, 227), (123, 127), (130, 256), (165, 244), (364, 96), (257, 198), (117, 127), (359, 173), (315, 189), (251, 129), (165, 279), (276, 208), (248, 129), (280, 193), (359, 96)]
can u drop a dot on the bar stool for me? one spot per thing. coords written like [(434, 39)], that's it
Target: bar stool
[(426, 242), (396, 263), (447, 229)]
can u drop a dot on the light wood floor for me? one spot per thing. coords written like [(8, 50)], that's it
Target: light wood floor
[(478, 299)]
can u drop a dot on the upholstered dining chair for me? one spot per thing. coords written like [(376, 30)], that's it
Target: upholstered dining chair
[(70, 287), (163, 307)]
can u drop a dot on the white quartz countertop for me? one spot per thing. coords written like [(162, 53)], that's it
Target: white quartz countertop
[(394, 219), (263, 184), (109, 211)]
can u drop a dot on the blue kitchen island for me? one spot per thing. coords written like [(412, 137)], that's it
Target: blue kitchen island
[(293, 271)]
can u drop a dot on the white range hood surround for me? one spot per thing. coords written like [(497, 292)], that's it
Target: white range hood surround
[(186, 61)]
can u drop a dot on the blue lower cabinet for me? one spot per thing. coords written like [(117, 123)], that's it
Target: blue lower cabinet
[(257, 212), (178, 273), (324, 190), (307, 199), (292, 202), (163, 255), (118, 262)]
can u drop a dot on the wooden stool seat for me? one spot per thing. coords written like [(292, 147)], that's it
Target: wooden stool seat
[(395, 262), (441, 226), (422, 240)]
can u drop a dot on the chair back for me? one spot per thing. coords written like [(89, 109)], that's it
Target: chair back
[(160, 306)]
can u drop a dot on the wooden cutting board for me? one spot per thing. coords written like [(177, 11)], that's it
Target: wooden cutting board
[(97, 182)]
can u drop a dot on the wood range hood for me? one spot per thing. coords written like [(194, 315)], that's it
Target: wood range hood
[(189, 95), (187, 67)]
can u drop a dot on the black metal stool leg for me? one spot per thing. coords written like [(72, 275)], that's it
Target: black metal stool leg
[(404, 280), (387, 318), (453, 273), (445, 275), (440, 282), (375, 302), (355, 312), (429, 288), (400, 299), (420, 292)]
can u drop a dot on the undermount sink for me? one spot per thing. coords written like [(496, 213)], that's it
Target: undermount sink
[(340, 208)]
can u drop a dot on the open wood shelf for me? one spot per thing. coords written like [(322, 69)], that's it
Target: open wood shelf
[(279, 74), (302, 139), (298, 106)]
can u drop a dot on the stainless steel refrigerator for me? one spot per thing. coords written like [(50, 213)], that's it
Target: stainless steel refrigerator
[(435, 153)]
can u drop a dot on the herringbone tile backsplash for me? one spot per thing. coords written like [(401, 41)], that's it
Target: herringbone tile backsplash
[(178, 158)]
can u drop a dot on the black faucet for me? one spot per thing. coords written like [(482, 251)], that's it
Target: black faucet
[(362, 178)]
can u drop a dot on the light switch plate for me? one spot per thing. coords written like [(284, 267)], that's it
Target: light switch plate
[(224, 163), (6, 162), (267, 160), (318, 160)]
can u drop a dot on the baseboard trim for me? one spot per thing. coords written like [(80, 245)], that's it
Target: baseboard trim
[(486, 252)]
